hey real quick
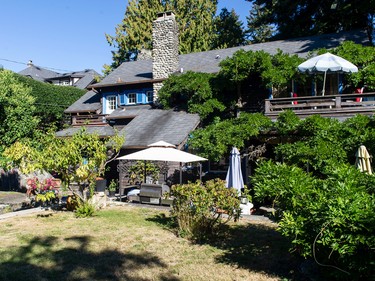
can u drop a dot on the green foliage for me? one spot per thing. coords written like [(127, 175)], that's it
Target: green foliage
[(287, 122), (80, 158), (229, 30), (17, 110), (113, 185), (50, 100), (191, 92), (273, 71), (331, 220), (327, 205), (258, 31), (281, 71), (46, 196), (135, 31), (364, 58), (198, 209), (85, 209), (215, 140), (142, 169), (302, 17), (242, 63)]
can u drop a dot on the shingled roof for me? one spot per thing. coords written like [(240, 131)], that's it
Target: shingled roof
[(151, 125), (148, 125), (89, 102), (38, 73), (86, 76), (208, 62)]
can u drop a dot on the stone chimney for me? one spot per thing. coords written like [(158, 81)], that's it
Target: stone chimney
[(165, 48)]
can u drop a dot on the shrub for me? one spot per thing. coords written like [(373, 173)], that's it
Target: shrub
[(85, 209), (331, 220), (198, 209)]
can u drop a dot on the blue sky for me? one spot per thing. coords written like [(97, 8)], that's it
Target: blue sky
[(66, 35)]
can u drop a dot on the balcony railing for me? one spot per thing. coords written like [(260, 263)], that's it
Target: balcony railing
[(89, 120), (329, 106)]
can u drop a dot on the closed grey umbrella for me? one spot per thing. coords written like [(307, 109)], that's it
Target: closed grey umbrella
[(234, 175)]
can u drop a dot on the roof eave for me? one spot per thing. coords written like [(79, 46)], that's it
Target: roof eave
[(94, 86)]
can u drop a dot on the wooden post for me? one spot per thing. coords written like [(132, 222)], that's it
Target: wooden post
[(338, 102), (267, 106)]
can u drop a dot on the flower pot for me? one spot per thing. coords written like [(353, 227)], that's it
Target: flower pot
[(100, 185)]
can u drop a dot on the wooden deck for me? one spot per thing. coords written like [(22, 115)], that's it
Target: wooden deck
[(89, 120), (338, 106)]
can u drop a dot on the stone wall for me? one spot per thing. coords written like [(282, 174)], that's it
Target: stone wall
[(165, 48)]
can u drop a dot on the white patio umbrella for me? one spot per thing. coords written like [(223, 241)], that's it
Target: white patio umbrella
[(234, 175), (163, 151), (327, 63), (363, 160)]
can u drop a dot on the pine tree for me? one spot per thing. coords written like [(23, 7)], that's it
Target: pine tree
[(134, 32), (296, 18), (229, 30), (258, 31), (194, 18)]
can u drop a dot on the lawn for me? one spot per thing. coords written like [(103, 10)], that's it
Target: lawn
[(133, 243)]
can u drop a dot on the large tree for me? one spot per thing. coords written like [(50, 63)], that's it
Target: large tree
[(194, 17), (229, 30), (257, 30), (305, 17)]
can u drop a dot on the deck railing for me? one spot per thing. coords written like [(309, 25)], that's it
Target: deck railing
[(335, 105), (89, 120)]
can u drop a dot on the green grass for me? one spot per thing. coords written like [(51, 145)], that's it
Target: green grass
[(130, 243)]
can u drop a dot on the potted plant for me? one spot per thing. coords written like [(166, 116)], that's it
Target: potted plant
[(112, 188), (100, 184)]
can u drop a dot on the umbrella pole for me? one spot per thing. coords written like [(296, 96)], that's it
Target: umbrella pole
[(144, 172), (200, 171), (324, 83), (180, 173)]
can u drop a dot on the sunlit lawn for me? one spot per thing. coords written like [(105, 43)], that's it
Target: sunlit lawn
[(133, 243)]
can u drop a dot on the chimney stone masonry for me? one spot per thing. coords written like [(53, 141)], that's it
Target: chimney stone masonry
[(165, 48)]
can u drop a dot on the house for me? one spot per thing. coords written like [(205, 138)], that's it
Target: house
[(79, 79), (125, 99)]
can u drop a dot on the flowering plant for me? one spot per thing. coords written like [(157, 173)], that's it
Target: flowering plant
[(45, 190)]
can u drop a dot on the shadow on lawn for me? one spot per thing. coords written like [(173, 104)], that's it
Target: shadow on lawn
[(75, 262), (258, 247), (253, 246)]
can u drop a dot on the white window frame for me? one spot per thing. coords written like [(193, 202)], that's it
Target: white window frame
[(148, 95), (111, 104), (132, 98)]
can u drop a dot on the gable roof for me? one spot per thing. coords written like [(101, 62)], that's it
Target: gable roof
[(151, 125), (147, 125), (135, 72), (87, 76), (89, 102), (38, 73)]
